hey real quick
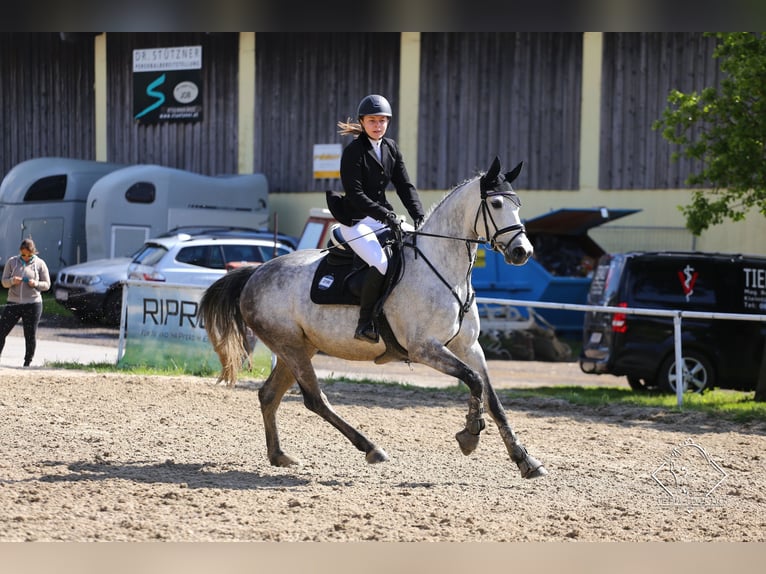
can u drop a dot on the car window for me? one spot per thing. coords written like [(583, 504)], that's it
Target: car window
[(269, 252), (249, 253), (150, 254), (252, 253), (679, 285), (209, 256)]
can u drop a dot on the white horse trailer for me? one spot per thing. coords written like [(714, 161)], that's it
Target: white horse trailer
[(44, 198), (130, 205)]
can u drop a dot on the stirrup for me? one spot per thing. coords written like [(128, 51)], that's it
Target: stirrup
[(367, 332)]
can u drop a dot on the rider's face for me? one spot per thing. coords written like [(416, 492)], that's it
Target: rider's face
[(375, 126)]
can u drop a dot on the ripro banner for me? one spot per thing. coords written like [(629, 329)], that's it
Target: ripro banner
[(162, 327)]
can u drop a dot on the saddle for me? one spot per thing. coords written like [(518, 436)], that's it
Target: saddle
[(340, 275)]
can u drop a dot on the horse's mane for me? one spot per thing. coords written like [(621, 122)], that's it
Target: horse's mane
[(444, 197)]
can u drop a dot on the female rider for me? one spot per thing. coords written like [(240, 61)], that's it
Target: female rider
[(367, 166)]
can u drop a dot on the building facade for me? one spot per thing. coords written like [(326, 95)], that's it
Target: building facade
[(577, 108)]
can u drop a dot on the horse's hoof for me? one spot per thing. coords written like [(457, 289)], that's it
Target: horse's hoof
[(467, 441), (530, 467), (537, 473), (376, 455), (283, 460)]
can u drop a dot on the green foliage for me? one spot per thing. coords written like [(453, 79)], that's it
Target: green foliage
[(725, 128)]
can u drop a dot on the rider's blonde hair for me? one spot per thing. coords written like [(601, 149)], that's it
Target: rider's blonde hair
[(350, 128)]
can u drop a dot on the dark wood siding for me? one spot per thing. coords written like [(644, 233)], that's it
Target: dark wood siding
[(514, 95), (305, 84), (46, 97), (639, 70), (208, 146)]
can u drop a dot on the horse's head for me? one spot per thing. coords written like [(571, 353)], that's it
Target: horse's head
[(499, 213)]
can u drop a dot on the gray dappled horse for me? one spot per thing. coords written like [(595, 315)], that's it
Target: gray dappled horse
[(431, 313)]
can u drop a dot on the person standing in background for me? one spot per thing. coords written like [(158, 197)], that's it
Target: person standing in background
[(25, 276)]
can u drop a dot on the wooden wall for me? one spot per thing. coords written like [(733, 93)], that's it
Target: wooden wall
[(639, 70), (46, 97), (305, 84), (515, 95)]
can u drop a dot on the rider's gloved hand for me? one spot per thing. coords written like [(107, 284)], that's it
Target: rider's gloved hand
[(392, 220), (418, 222)]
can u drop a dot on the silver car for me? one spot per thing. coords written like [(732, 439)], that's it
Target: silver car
[(188, 260), (93, 290)]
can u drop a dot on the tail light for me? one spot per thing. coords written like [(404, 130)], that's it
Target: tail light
[(619, 320)]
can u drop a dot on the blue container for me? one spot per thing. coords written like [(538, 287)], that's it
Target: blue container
[(560, 270)]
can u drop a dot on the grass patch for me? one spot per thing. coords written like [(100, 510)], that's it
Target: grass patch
[(50, 305), (261, 368), (732, 405)]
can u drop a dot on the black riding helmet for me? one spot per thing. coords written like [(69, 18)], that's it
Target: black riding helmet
[(374, 105)]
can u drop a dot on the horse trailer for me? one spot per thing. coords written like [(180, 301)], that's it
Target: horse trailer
[(44, 198), (130, 205)]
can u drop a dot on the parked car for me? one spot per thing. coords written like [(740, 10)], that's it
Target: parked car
[(717, 352), (240, 232), (189, 260), (93, 290)]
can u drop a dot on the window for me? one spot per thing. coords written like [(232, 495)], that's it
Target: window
[(238, 253), (209, 256), (141, 192), (51, 188), (676, 286)]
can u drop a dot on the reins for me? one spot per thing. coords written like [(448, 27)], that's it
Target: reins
[(486, 215)]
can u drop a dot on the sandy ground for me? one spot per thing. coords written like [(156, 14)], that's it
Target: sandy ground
[(112, 457)]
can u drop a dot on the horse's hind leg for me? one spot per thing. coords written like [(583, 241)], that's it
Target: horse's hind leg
[(316, 401), (270, 395)]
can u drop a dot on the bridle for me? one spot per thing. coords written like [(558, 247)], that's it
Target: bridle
[(506, 191), (484, 210)]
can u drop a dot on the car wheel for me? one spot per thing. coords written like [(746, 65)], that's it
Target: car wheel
[(639, 384), (113, 307), (699, 374)]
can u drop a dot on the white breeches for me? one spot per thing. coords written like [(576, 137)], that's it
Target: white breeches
[(361, 238)]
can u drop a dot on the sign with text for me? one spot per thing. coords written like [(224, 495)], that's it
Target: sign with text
[(164, 328), (327, 160), (167, 84)]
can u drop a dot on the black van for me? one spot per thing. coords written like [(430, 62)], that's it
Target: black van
[(717, 352)]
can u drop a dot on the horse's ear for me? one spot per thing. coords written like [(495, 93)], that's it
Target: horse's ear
[(494, 170), (514, 173)]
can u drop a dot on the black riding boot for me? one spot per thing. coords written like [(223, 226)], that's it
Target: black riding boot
[(373, 284)]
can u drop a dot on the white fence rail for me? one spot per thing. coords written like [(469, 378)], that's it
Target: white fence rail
[(676, 315)]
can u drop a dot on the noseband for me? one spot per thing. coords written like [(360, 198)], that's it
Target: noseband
[(486, 214)]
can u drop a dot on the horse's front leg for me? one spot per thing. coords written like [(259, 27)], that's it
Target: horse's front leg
[(529, 466), (443, 360)]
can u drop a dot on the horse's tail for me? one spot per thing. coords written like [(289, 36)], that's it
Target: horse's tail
[(225, 326)]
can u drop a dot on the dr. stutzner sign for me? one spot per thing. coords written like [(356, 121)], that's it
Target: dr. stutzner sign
[(167, 84)]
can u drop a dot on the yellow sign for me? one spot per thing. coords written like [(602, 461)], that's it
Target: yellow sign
[(327, 161)]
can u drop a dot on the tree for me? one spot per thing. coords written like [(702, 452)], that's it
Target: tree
[(725, 128)]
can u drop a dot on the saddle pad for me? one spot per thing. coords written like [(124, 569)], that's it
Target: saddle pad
[(329, 285)]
